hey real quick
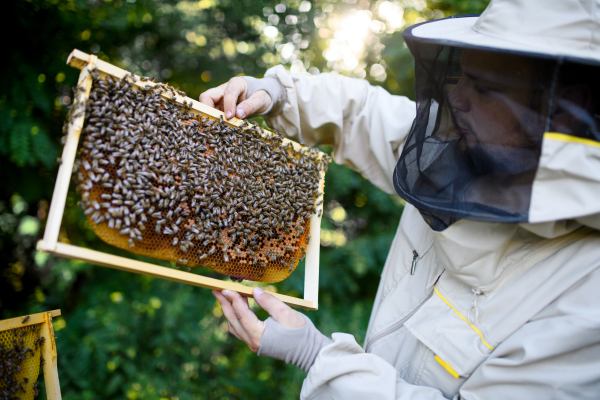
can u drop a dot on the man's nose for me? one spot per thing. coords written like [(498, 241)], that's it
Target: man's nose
[(458, 98)]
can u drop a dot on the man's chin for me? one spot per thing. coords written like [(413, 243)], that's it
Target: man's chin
[(474, 158), (500, 160)]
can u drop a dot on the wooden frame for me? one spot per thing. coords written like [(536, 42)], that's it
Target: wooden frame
[(48, 348), (50, 244)]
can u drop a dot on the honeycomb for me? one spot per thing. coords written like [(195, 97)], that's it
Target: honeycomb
[(161, 180), (20, 361)]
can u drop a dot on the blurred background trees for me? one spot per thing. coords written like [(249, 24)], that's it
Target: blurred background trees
[(129, 336)]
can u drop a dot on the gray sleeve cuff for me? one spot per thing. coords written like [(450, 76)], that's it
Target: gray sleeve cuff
[(297, 346), (273, 87)]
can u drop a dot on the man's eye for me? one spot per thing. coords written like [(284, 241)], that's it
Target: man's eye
[(481, 89)]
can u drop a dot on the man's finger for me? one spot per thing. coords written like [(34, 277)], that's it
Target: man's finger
[(252, 326), (235, 327), (212, 96), (280, 312), (235, 91), (255, 104), (248, 320)]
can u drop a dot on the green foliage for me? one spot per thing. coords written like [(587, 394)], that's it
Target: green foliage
[(129, 336)]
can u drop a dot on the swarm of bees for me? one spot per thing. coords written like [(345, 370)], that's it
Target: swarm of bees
[(162, 180), (20, 358)]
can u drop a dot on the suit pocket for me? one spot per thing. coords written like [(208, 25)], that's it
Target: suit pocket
[(458, 345)]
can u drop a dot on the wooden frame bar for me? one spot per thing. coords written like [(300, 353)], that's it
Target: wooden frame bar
[(86, 63), (48, 348), (50, 367), (140, 267), (34, 319), (61, 187)]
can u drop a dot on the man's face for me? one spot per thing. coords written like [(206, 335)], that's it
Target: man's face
[(498, 113)]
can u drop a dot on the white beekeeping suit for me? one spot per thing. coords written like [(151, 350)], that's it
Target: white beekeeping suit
[(490, 289), (503, 301)]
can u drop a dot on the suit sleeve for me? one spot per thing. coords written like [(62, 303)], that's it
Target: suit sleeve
[(365, 124), (343, 370)]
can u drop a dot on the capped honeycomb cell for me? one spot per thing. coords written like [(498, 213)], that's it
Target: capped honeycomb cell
[(164, 181)]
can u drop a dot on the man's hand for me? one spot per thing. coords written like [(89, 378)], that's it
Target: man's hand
[(243, 323), (230, 98)]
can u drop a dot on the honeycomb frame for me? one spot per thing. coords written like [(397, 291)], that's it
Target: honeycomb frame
[(35, 334), (50, 242)]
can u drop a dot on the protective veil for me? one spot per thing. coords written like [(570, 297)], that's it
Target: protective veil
[(501, 134)]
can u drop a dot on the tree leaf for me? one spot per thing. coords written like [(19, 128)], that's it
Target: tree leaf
[(44, 149), (19, 142)]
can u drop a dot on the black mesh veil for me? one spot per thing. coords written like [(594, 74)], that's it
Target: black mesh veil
[(475, 144)]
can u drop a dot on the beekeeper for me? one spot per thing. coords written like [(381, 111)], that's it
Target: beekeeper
[(491, 287)]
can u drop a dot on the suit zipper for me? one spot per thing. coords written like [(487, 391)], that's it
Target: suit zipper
[(414, 262), (396, 325), (413, 265)]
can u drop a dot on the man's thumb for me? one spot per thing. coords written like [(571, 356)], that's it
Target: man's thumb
[(275, 307), (245, 109), (255, 104)]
